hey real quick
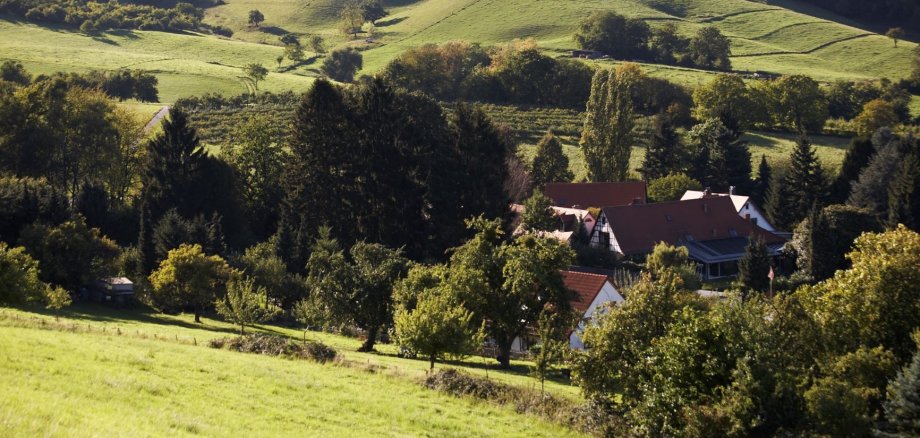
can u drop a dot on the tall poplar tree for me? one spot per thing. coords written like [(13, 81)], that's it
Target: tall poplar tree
[(761, 185), (607, 138)]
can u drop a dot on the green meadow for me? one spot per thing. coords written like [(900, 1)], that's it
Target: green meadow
[(783, 37), (100, 372)]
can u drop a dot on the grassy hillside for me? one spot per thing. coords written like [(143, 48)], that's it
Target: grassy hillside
[(785, 38), (185, 64), (782, 37), (148, 379)]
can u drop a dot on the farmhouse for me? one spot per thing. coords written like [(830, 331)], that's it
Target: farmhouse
[(591, 293), (567, 222), (743, 205), (603, 194), (709, 228)]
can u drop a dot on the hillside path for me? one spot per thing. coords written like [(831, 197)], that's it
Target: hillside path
[(156, 119)]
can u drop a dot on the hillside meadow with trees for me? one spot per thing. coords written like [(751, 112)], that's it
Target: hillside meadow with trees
[(386, 231)]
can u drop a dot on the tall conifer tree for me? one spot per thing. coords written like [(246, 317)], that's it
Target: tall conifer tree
[(804, 184), (550, 164), (665, 154)]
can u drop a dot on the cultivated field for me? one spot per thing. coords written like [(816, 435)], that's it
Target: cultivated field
[(97, 372)]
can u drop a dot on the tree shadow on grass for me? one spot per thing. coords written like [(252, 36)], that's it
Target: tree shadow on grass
[(135, 313), (273, 30), (390, 22)]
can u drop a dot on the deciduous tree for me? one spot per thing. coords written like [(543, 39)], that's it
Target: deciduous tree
[(244, 304), (342, 64), (607, 138), (537, 215), (188, 278)]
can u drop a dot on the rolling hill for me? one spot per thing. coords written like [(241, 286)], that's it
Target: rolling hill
[(780, 37)]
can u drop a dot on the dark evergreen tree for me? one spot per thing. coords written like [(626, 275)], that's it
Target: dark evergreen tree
[(902, 409), (720, 159), (173, 158), (665, 154), (754, 266), (804, 185), (857, 158), (870, 191), (904, 195), (550, 164), (760, 187), (483, 154), (171, 231), (819, 265)]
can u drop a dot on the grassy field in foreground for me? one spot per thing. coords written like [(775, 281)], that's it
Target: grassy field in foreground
[(143, 324), (76, 384)]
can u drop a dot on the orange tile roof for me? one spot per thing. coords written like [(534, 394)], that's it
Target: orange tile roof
[(604, 194), (585, 288), (638, 228)]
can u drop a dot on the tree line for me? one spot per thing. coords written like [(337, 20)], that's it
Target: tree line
[(93, 16), (633, 39)]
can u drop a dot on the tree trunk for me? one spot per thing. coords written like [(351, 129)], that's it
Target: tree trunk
[(242, 329), (504, 355), (368, 345), (431, 361), (198, 316)]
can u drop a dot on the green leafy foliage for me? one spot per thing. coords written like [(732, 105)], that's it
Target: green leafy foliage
[(355, 289), (245, 303), (538, 214), (20, 282), (672, 187), (430, 320), (188, 278), (607, 138), (71, 254), (342, 64)]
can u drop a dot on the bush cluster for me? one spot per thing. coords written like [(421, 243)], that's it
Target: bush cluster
[(272, 345), (93, 16)]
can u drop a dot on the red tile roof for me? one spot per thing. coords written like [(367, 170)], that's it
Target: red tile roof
[(584, 195), (638, 228), (585, 287)]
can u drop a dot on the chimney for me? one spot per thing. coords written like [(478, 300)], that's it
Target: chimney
[(731, 190)]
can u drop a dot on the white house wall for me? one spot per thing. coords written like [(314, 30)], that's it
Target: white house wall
[(607, 294)]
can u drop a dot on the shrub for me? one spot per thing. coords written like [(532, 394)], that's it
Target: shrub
[(273, 345)]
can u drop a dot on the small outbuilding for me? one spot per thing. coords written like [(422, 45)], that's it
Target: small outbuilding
[(116, 290)]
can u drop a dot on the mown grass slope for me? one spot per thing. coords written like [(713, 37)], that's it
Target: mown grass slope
[(91, 383), (185, 64), (781, 37)]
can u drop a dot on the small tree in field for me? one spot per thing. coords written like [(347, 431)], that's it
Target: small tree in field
[(352, 19), (256, 18), (437, 326), (188, 278), (342, 64), (254, 74), (244, 304), (551, 329), (895, 33), (317, 43)]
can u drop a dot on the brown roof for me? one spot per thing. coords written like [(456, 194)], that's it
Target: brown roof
[(585, 287), (606, 194), (638, 228)]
